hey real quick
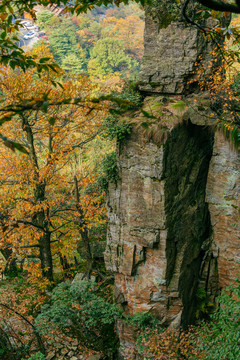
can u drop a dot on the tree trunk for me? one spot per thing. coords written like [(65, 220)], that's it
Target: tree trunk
[(83, 230), (86, 243), (64, 262), (41, 217), (46, 255)]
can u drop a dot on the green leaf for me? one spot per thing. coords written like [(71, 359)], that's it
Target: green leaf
[(59, 84), (147, 114), (13, 64), (3, 34), (3, 120), (43, 60), (53, 67), (45, 106), (145, 124)]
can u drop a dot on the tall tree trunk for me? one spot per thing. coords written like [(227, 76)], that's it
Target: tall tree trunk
[(40, 218), (44, 242), (64, 262), (83, 230), (46, 255)]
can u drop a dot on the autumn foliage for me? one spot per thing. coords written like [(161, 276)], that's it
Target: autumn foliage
[(41, 215)]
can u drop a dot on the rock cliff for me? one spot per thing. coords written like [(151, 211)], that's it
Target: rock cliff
[(174, 213)]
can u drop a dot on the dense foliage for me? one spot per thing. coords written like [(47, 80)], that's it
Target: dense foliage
[(103, 43), (220, 339), (76, 308), (43, 196)]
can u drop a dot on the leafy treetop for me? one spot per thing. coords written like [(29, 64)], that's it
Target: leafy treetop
[(10, 10)]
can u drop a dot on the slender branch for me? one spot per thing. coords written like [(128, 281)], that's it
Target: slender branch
[(59, 227), (100, 274), (29, 246), (38, 337), (82, 143), (190, 21), (221, 5), (25, 222), (204, 31), (61, 210)]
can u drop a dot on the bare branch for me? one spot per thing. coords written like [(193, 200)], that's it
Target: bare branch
[(25, 222), (38, 337), (29, 246), (221, 5)]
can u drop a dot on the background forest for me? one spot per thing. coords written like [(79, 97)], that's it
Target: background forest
[(105, 44), (57, 155)]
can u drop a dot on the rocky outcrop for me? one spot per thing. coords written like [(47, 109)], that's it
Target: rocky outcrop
[(173, 220), (223, 197), (171, 55), (174, 212)]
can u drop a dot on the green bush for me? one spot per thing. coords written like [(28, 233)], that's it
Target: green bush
[(37, 356), (78, 310), (115, 128), (129, 99), (220, 338), (109, 171), (130, 94), (143, 320)]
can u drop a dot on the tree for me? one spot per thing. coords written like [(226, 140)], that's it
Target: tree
[(44, 18), (108, 56), (62, 46), (10, 26), (128, 30), (14, 56), (37, 200), (75, 63)]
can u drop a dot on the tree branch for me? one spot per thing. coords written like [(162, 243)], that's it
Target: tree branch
[(25, 222), (221, 5), (38, 337), (29, 246)]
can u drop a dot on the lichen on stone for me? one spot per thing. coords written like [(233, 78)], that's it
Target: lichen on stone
[(165, 12)]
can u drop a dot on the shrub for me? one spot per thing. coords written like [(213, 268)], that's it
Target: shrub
[(109, 171), (220, 338), (37, 356), (77, 309), (115, 128), (143, 320), (128, 100)]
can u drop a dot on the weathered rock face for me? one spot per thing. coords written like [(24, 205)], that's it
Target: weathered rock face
[(223, 197), (173, 222), (174, 214), (170, 56)]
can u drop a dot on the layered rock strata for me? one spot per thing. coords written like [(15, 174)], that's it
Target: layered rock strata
[(174, 213), (172, 54), (173, 220)]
